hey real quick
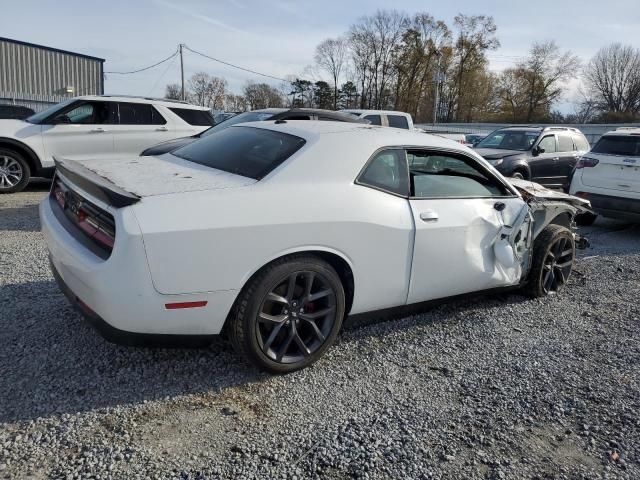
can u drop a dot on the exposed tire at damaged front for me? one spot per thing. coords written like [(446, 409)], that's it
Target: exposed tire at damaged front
[(552, 261)]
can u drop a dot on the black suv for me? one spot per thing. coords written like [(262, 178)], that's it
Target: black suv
[(255, 116), (545, 155)]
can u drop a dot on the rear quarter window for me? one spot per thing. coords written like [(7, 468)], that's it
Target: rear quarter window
[(398, 121), (200, 118), (246, 151)]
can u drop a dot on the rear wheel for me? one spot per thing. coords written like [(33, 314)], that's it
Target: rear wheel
[(289, 314), (552, 262), (14, 172)]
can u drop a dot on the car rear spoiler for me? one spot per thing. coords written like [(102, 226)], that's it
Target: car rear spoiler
[(94, 184)]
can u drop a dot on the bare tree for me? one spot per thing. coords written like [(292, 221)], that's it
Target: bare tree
[(476, 36), (331, 56), (234, 103), (207, 91), (261, 95), (613, 76), (374, 42), (531, 88), (173, 91)]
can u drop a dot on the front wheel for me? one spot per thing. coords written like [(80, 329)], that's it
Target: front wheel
[(14, 172), (553, 255), (289, 314)]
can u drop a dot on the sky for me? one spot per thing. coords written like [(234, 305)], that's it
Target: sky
[(278, 37)]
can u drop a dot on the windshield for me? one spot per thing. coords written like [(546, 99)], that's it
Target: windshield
[(243, 117), (247, 151), (509, 140), (618, 145), (40, 116)]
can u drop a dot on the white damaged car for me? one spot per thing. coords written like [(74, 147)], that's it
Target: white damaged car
[(273, 233)]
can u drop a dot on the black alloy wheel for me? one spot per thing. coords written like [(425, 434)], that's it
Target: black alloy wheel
[(288, 314)]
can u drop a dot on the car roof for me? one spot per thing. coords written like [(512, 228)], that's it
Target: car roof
[(154, 101), (337, 116), (623, 131), (373, 135), (361, 111)]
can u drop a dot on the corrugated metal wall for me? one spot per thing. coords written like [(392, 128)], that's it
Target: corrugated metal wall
[(32, 75)]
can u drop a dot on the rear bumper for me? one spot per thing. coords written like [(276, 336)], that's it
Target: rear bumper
[(615, 207), (118, 296), (123, 337)]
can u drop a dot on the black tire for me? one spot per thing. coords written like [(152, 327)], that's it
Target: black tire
[(586, 219), (553, 256), (519, 174), (250, 332), (14, 171)]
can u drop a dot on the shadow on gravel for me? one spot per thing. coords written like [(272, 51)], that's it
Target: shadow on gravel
[(23, 219), (52, 362)]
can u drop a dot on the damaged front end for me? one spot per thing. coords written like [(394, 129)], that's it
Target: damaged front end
[(514, 246)]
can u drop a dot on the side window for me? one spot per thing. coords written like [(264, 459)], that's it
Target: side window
[(398, 121), (156, 117), (135, 114), (201, 118), (439, 175), (387, 171), (374, 119), (581, 142), (548, 143), (565, 143), (87, 113)]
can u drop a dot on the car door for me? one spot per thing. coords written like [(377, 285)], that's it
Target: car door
[(140, 126), (460, 211), (83, 130), (544, 166)]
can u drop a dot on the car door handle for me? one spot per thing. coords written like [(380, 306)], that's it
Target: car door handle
[(556, 159), (429, 216), (162, 129), (97, 130)]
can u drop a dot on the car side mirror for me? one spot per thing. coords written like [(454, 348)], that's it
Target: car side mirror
[(537, 151)]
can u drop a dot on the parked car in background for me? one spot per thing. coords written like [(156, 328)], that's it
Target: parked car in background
[(609, 176), (256, 116), (15, 112), (222, 116), (545, 155), (91, 126), (275, 231), (475, 138), (385, 118)]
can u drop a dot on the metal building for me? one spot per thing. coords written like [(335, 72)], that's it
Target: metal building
[(37, 77)]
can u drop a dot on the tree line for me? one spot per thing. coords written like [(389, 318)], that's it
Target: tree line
[(430, 69)]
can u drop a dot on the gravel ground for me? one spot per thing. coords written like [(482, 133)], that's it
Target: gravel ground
[(493, 387)]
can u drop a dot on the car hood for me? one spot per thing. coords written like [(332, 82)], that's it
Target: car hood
[(494, 153), (169, 146), (10, 127), (166, 174)]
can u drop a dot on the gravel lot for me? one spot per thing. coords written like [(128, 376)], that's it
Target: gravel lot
[(493, 387)]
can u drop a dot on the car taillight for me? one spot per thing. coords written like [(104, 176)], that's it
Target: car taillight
[(582, 194), (586, 162)]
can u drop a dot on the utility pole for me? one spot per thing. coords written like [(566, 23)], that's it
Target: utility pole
[(182, 73), (436, 95)]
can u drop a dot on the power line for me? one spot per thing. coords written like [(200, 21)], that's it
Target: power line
[(236, 66), (146, 68), (173, 61)]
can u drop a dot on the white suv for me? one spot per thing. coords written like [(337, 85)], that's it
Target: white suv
[(385, 118), (609, 176), (91, 127)]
